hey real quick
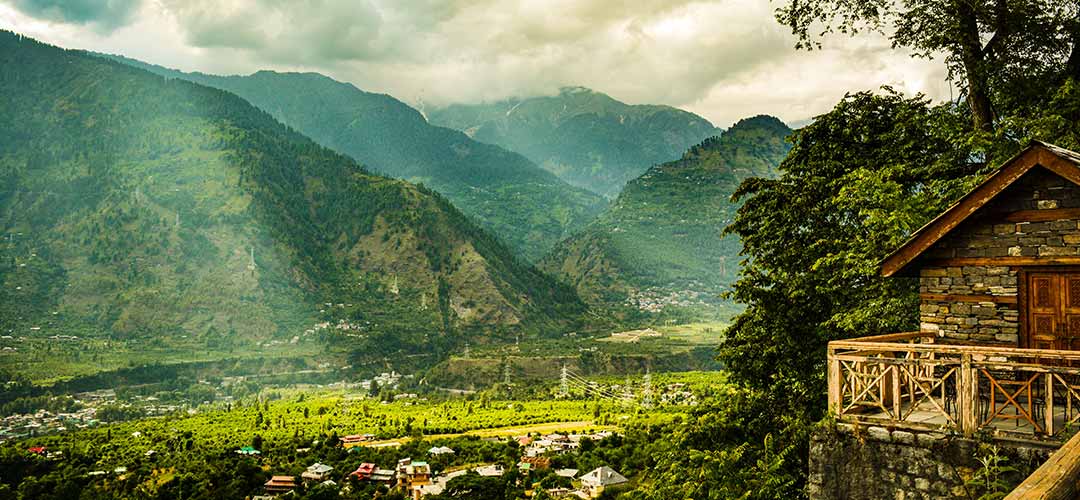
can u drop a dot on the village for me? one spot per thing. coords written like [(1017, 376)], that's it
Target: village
[(420, 478)]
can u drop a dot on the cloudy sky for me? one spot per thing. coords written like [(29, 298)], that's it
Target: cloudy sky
[(723, 59)]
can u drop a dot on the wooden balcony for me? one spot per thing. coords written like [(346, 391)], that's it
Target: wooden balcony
[(908, 380)]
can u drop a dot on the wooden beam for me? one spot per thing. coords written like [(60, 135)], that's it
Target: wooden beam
[(892, 337), (1005, 261), (1041, 215), (941, 297), (1056, 479), (836, 394)]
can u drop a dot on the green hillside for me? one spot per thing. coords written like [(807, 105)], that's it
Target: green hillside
[(145, 209), (526, 206), (585, 137), (660, 244)]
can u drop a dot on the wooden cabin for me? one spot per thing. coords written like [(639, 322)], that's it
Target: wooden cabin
[(998, 348), (1002, 265)]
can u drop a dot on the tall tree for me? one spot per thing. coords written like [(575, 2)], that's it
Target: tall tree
[(987, 44)]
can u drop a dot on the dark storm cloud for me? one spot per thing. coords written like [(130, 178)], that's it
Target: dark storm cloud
[(106, 15)]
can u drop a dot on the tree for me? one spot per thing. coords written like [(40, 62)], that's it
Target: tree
[(1025, 40)]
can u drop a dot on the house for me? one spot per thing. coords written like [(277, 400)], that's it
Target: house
[(317, 472), (537, 462), (440, 450), (999, 266), (494, 470), (364, 471), (413, 476), (355, 440), (373, 473), (280, 484), (595, 482), (567, 473), (998, 277)]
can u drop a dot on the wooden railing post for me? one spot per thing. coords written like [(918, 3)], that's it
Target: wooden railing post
[(969, 396), (1048, 398), (835, 388)]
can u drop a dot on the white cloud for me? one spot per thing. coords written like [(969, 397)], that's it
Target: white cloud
[(724, 59)]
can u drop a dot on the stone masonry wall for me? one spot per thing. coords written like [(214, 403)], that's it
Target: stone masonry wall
[(984, 321), (987, 234), (874, 463)]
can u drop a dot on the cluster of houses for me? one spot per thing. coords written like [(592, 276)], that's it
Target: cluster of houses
[(417, 479), (556, 443), (655, 301), (24, 425)]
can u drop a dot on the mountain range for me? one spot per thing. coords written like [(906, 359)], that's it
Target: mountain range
[(529, 208), (135, 206), (661, 243), (585, 137)]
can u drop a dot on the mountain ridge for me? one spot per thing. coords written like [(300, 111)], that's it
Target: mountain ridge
[(528, 207), (586, 137), (143, 208), (660, 244)]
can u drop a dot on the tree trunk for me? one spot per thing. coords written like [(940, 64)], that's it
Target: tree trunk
[(972, 59), (1072, 67)]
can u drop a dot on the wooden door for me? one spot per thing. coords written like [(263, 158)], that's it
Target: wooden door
[(1053, 316), (1069, 330), (1044, 310)]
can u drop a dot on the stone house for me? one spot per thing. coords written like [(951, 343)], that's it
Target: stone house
[(1002, 265)]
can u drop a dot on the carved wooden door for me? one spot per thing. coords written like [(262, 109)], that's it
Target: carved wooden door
[(1044, 310), (1069, 330), (1053, 310)]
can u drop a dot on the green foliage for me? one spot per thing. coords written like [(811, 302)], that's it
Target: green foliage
[(991, 480), (159, 211), (663, 233), (585, 137), (1003, 52), (527, 207)]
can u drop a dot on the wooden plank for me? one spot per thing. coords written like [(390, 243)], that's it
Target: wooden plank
[(889, 337), (1004, 261), (997, 299), (835, 395), (1041, 215), (990, 187), (968, 397), (1048, 412), (1056, 479)]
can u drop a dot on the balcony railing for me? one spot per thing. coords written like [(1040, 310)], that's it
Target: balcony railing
[(909, 380)]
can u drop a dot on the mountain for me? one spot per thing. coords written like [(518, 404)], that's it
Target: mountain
[(660, 243), (526, 206), (585, 137), (143, 208)]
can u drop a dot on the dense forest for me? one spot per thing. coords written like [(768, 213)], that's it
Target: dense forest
[(140, 207), (661, 243), (527, 207)]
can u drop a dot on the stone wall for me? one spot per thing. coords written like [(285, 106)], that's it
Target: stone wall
[(986, 234), (874, 463)]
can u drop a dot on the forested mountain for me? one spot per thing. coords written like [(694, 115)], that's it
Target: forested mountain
[(583, 136), (143, 207), (529, 208), (660, 243)]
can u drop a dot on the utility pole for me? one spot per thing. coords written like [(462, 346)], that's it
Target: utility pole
[(466, 355), (564, 387), (506, 373), (251, 265), (647, 394)]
